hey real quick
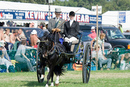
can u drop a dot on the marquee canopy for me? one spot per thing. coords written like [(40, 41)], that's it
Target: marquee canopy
[(40, 7)]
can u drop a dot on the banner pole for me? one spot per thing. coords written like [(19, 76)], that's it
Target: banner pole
[(97, 38)]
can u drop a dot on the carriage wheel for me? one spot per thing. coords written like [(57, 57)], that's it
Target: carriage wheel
[(38, 66), (86, 64)]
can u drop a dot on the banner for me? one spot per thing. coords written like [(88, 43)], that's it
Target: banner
[(42, 15), (122, 17)]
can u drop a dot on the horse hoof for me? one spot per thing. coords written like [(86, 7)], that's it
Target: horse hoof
[(46, 85), (52, 84), (56, 84)]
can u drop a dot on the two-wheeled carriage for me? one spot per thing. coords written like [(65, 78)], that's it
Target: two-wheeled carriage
[(69, 55)]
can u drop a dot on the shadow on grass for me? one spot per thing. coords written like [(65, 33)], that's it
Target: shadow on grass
[(33, 83), (70, 82), (36, 83)]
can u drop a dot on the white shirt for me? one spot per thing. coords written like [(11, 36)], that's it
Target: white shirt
[(71, 21)]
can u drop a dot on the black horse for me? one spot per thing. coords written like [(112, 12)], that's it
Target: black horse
[(51, 53)]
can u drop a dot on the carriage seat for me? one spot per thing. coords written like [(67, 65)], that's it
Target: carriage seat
[(76, 43)]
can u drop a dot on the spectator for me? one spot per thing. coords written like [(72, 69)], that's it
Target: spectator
[(21, 34), (1, 34), (120, 28), (21, 57), (7, 39), (6, 35), (38, 26), (31, 25), (122, 58), (34, 39), (46, 26), (2, 23), (93, 34), (43, 27), (14, 36), (100, 42), (101, 58), (4, 58)]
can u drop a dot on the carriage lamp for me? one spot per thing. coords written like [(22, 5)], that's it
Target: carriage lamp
[(128, 46)]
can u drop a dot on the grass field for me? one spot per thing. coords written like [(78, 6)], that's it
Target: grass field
[(112, 78)]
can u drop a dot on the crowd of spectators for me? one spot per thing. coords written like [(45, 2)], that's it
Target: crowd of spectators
[(7, 41), (10, 37), (101, 54)]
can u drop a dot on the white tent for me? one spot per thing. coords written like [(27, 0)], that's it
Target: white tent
[(113, 17), (6, 5), (40, 7)]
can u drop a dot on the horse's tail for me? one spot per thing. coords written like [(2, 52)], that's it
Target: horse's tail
[(58, 70)]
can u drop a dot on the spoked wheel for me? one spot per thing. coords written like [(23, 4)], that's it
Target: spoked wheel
[(38, 66), (86, 64)]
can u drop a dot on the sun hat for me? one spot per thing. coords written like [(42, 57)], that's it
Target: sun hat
[(92, 27), (58, 10), (34, 32)]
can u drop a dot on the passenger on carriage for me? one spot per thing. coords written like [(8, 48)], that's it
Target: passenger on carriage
[(56, 22), (71, 30)]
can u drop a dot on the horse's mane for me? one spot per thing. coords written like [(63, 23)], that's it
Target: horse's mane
[(51, 41), (45, 36)]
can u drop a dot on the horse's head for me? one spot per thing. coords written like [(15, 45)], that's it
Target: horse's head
[(45, 44)]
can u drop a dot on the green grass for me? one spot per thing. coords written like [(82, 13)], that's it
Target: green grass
[(112, 78)]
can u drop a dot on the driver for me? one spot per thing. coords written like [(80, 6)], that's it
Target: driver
[(56, 22)]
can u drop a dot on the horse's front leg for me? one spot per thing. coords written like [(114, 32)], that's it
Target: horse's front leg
[(42, 73), (52, 84), (48, 77)]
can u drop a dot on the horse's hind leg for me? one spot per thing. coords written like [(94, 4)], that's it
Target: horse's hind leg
[(57, 80), (58, 72)]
